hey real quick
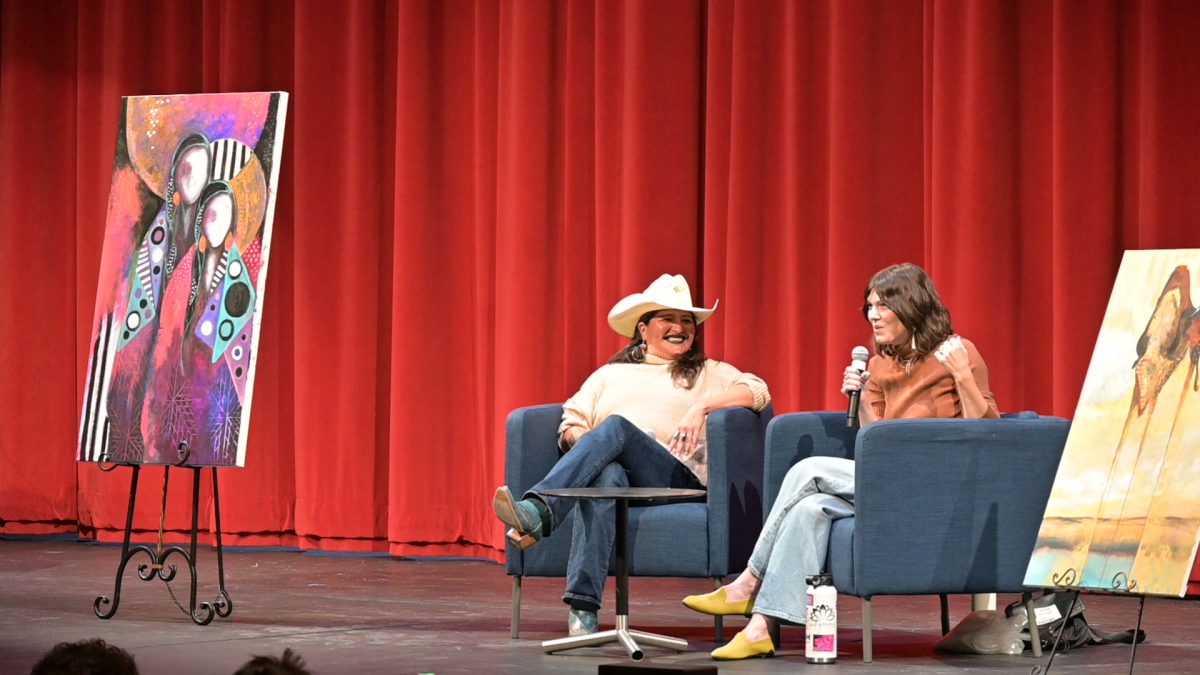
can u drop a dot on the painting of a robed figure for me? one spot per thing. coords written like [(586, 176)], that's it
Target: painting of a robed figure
[(1124, 513), (183, 268)]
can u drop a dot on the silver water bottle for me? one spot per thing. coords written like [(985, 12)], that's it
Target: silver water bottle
[(820, 633)]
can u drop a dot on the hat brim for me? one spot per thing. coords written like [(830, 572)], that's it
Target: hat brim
[(625, 314)]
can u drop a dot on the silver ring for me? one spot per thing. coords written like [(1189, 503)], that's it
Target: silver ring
[(682, 435), (675, 436)]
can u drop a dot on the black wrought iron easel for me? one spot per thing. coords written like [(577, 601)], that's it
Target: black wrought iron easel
[(1121, 585), (157, 567)]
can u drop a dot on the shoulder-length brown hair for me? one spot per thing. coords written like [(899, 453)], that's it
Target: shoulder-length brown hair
[(909, 292), (684, 370)]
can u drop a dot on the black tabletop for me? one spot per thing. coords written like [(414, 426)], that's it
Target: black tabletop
[(624, 493)]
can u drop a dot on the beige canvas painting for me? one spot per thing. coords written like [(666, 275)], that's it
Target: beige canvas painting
[(1124, 512)]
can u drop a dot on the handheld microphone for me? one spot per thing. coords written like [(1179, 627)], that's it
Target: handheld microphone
[(858, 361)]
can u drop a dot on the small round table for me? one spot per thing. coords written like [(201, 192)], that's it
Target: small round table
[(622, 633)]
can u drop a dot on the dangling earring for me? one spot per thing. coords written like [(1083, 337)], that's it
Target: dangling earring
[(638, 352), (914, 344)]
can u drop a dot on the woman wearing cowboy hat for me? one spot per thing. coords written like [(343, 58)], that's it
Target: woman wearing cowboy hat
[(637, 421), (921, 369)]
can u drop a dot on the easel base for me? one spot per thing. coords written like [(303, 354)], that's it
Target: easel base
[(201, 614)]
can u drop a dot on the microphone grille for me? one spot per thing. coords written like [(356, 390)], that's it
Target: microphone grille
[(859, 353)]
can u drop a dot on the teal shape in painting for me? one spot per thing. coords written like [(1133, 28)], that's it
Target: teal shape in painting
[(236, 305), (145, 283)]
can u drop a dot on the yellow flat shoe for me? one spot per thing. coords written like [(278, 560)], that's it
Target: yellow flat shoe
[(715, 604), (742, 648)]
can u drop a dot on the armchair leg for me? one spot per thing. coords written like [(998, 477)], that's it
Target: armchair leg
[(944, 600), (868, 651), (718, 621), (515, 621), (1035, 640), (982, 601)]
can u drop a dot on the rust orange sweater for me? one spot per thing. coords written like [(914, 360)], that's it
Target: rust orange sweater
[(925, 390)]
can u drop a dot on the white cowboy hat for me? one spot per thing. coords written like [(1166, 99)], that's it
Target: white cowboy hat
[(667, 292)]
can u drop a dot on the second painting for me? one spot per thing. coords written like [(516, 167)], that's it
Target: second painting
[(1124, 513)]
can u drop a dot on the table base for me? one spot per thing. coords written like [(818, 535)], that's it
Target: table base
[(621, 634)]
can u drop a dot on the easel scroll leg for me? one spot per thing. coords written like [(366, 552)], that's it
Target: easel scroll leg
[(1137, 630), (207, 611), (223, 603), (127, 552)]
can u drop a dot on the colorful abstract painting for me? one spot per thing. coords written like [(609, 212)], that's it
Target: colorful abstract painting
[(182, 272), (1124, 513)]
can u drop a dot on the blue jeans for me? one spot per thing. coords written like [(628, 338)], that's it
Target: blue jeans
[(795, 537), (614, 454)]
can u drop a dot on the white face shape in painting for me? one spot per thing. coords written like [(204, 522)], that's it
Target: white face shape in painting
[(218, 218), (192, 173), (885, 324)]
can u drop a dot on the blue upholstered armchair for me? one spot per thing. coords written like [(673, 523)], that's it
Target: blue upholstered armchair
[(941, 506), (706, 538)]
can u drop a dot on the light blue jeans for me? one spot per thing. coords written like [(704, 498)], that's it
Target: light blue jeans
[(795, 537)]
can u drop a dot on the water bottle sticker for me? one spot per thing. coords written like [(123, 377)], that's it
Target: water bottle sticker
[(823, 614), (825, 643)]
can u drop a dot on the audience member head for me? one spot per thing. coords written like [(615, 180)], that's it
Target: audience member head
[(86, 657), (288, 664)]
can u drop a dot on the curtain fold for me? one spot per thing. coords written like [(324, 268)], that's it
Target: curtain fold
[(37, 298), (468, 186)]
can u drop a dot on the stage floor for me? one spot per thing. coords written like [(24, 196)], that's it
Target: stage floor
[(346, 614)]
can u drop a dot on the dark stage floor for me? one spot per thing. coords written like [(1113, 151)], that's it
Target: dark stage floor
[(387, 615)]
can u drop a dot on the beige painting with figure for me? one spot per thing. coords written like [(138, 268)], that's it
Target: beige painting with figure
[(1124, 513)]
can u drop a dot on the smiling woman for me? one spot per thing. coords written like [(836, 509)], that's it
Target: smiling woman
[(668, 333), (638, 421)]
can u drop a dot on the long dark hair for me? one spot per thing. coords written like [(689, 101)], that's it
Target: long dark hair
[(684, 369), (909, 292)]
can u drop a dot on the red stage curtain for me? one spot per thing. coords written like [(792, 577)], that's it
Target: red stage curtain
[(467, 187)]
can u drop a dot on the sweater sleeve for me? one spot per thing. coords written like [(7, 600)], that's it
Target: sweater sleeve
[(979, 370), (872, 394), (758, 387), (580, 409), (762, 396)]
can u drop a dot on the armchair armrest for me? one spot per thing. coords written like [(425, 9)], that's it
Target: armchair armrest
[(792, 437), (530, 445), (530, 451), (735, 490), (951, 506)]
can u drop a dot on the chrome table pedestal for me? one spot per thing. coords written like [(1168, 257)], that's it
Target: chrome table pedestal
[(629, 639)]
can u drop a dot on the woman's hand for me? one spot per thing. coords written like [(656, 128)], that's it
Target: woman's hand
[(571, 436), (953, 355), (854, 379), (686, 438)]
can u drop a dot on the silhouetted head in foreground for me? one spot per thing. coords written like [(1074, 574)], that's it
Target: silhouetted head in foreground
[(288, 664), (86, 657)]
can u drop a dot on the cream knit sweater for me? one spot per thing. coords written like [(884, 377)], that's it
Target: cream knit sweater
[(646, 395)]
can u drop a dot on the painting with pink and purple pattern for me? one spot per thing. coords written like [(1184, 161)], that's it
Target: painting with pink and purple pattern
[(182, 272)]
